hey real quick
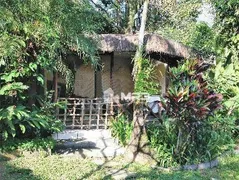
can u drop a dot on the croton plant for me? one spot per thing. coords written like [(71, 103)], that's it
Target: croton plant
[(189, 103), (188, 97)]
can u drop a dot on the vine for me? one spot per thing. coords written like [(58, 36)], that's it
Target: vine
[(146, 80)]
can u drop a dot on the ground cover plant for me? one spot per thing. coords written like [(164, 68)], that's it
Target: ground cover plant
[(121, 128)]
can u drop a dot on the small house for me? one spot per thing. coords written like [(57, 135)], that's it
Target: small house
[(87, 108), (116, 52)]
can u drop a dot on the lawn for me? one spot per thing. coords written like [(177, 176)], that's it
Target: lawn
[(41, 167)]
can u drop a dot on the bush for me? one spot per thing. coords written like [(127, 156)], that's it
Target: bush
[(35, 144), (225, 79), (38, 36), (18, 121), (121, 128), (191, 131)]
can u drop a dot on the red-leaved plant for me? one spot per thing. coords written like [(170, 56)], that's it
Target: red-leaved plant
[(189, 102)]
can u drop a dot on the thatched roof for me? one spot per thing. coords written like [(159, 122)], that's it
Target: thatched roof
[(153, 44)]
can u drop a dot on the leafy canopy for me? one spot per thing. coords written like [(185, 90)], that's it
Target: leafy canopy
[(37, 35)]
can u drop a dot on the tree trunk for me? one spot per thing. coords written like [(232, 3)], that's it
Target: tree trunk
[(137, 149), (139, 52)]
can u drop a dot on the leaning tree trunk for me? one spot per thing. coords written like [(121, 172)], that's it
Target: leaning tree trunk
[(139, 53), (137, 149)]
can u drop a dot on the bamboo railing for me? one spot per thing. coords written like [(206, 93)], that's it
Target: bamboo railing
[(84, 113)]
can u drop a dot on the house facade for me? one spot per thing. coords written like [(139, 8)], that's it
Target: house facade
[(88, 108), (116, 52)]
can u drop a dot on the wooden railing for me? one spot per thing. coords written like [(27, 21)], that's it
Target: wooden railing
[(83, 113)]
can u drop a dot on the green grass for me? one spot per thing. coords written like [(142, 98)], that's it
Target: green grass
[(51, 167), (38, 167), (227, 169)]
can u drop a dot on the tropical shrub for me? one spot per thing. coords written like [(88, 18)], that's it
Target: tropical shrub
[(163, 140), (20, 121), (121, 128), (191, 130), (225, 79), (37, 35), (28, 144)]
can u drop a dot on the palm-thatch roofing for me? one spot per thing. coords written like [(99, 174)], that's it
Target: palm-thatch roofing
[(153, 44)]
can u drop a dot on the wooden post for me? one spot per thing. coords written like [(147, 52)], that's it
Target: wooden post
[(74, 114), (32, 91), (106, 115), (82, 112), (65, 112), (55, 84), (98, 114), (91, 106)]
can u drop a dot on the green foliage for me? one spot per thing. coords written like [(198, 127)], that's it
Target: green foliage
[(163, 139), (14, 117), (227, 23), (37, 35), (121, 128), (18, 120), (179, 21), (146, 80), (203, 39), (225, 79), (191, 130), (35, 144), (213, 136)]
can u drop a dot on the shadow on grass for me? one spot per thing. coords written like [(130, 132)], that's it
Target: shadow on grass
[(10, 172)]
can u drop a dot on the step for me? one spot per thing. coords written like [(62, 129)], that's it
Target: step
[(82, 134), (87, 143)]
